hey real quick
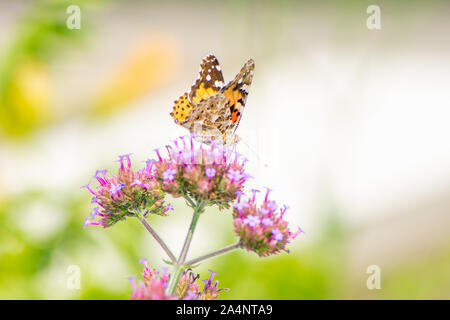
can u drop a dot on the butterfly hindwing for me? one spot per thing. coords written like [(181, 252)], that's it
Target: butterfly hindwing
[(182, 107), (209, 112)]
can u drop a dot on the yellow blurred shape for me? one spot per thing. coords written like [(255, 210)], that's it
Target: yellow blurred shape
[(25, 102), (150, 64)]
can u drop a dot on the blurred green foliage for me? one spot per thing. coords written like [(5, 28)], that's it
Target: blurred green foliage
[(40, 37), (34, 267)]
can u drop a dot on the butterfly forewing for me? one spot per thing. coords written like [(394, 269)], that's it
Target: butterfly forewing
[(236, 91), (209, 81)]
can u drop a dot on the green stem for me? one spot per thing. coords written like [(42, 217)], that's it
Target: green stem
[(174, 279), (214, 254), (187, 242), (155, 236), (179, 266), (188, 199)]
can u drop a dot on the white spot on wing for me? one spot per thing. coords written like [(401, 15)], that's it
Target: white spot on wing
[(208, 77)]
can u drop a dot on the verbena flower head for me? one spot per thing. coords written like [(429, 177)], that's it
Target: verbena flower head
[(210, 289), (119, 196), (210, 173), (154, 289), (261, 229), (154, 285)]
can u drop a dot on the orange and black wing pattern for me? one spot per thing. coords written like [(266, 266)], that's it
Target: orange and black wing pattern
[(212, 110), (208, 83)]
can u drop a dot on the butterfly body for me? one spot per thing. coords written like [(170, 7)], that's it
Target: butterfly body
[(212, 110)]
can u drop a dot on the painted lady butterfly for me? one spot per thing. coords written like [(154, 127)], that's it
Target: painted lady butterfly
[(211, 110)]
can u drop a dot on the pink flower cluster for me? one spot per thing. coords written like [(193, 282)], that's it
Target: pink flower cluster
[(119, 196), (154, 285), (210, 173), (261, 229)]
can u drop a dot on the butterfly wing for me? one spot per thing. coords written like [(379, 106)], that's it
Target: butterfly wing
[(207, 116), (182, 107), (208, 83), (236, 92)]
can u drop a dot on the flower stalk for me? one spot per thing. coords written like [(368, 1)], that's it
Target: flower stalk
[(180, 265), (187, 242), (174, 279), (217, 253), (158, 239)]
